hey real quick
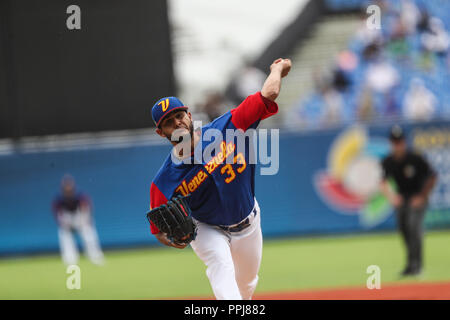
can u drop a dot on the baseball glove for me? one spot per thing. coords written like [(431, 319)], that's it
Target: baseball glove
[(174, 219)]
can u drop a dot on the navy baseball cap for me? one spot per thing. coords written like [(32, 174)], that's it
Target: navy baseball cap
[(396, 133), (164, 106)]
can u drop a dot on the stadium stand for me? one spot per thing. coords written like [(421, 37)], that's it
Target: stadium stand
[(400, 71)]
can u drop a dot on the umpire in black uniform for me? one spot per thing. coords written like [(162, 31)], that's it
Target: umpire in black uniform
[(414, 179)]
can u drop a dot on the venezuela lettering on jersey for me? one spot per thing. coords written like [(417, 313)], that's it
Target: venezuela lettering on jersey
[(187, 187), (215, 197)]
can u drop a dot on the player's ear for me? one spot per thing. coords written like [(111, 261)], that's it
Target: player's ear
[(160, 133)]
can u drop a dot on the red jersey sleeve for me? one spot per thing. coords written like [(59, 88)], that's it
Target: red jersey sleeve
[(254, 108), (157, 199)]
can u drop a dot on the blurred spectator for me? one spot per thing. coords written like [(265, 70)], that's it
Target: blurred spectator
[(424, 21), (436, 39), (398, 44), (339, 77), (381, 76), (372, 40), (333, 107), (426, 61), (73, 214), (419, 103), (399, 29), (367, 36), (409, 16), (372, 50), (341, 80), (346, 63)]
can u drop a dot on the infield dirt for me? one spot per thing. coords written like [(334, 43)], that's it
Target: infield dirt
[(408, 291)]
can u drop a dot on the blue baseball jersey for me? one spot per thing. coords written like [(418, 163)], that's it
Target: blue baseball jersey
[(221, 188), (70, 204)]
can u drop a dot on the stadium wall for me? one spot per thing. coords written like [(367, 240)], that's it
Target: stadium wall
[(299, 200)]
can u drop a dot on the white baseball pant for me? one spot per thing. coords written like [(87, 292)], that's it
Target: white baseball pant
[(80, 222), (232, 258)]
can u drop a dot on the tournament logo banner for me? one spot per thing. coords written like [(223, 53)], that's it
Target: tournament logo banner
[(350, 183)]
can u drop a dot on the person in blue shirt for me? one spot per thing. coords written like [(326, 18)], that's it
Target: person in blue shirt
[(220, 188), (73, 213)]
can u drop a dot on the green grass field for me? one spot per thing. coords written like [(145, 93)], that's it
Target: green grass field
[(292, 264)]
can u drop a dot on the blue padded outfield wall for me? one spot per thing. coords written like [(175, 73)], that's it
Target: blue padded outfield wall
[(313, 192)]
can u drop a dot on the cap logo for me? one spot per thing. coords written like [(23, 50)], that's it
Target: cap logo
[(164, 105)]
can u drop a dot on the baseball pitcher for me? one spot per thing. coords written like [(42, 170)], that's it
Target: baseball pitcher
[(210, 203)]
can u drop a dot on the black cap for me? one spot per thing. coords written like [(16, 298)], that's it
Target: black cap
[(396, 133)]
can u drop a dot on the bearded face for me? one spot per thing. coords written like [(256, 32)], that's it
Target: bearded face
[(177, 127)]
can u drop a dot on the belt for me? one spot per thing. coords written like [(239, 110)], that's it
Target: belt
[(240, 226)]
